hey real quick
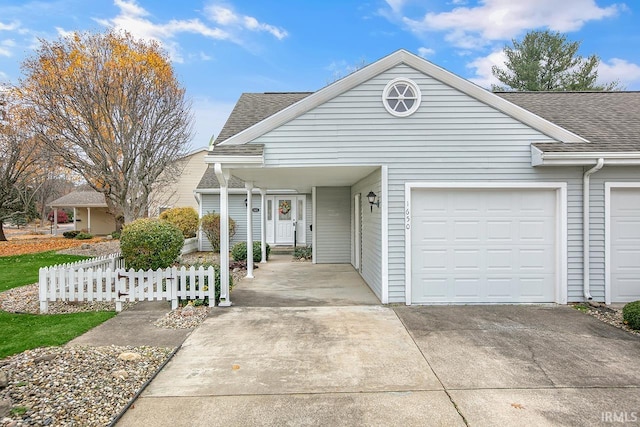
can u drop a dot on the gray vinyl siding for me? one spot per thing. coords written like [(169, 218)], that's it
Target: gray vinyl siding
[(333, 244), (237, 211), (371, 234), (452, 137)]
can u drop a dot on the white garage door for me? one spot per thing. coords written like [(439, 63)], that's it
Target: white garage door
[(483, 245), (625, 244)]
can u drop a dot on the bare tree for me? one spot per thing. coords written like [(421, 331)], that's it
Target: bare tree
[(19, 156), (111, 107)]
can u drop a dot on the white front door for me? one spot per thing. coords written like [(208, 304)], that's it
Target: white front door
[(285, 219)]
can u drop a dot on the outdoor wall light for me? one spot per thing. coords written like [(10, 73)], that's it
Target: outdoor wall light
[(372, 200), (245, 203)]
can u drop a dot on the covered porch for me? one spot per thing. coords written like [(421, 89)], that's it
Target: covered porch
[(345, 228)]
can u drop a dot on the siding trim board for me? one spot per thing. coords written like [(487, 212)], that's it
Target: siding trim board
[(561, 286), (608, 186)]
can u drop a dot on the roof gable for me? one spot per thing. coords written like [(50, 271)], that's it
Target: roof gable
[(311, 101)]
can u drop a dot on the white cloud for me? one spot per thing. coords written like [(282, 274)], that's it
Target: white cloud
[(619, 69), (396, 5), (6, 47), (482, 69), (225, 16), (425, 52), (136, 20), (473, 27), (12, 26)]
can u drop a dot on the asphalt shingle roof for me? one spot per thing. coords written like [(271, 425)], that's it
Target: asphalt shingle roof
[(610, 121), (91, 199), (255, 107), (209, 180)]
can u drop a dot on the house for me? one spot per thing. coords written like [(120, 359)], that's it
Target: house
[(178, 192), (90, 212), (438, 191)]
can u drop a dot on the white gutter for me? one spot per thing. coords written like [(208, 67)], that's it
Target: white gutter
[(586, 227)]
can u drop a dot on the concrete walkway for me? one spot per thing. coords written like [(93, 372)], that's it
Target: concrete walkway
[(367, 365)]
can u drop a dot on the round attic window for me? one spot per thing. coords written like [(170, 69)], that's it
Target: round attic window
[(401, 97)]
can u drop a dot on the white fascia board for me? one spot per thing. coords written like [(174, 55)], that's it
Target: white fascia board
[(234, 160), (585, 159), (384, 64), (255, 190), (536, 156)]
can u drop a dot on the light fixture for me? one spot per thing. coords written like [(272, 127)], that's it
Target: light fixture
[(372, 200), (245, 203)]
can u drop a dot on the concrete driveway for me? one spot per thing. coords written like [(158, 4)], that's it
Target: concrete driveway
[(368, 365)]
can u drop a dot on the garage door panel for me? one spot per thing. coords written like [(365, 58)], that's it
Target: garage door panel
[(488, 250), (625, 244)]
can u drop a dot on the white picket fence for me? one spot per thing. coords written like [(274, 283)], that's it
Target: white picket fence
[(90, 283)]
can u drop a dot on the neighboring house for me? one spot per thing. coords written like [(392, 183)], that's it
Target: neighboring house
[(178, 193), (477, 197), (90, 212)]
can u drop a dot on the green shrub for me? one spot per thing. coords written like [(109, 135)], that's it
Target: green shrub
[(216, 267), (239, 251), (150, 244), (301, 252), (115, 235), (83, 236), (70, 234), (186, 219), (210, 224), (631, 315)]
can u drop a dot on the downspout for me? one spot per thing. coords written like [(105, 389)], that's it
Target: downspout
[(586, 227)]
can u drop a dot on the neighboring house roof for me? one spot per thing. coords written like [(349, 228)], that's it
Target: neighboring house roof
[(209, 180), (252, 108), (609, 120), (81, 199)]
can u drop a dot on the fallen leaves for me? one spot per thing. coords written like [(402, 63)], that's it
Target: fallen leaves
[(40, 244), (517, 406)]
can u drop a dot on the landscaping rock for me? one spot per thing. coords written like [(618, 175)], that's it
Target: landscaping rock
[(5, 407), (129, 356), (85, 246), (4, 381), (120, 374)]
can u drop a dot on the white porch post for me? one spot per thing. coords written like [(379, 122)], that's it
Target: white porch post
[(263, 224), (223, 179), (55, 221), (88, 220), (249, 187), (75, 222)]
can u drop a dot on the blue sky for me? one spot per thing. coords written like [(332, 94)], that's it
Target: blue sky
[(220, 49)]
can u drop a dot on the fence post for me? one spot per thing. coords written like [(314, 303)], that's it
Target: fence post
[(174, 288), (42, 289)]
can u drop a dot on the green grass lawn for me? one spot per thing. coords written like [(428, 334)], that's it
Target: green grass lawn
[(20, 270), (20, 332)]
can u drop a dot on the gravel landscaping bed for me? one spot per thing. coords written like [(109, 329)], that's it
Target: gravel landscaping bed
[(607, 314), (73, 386)]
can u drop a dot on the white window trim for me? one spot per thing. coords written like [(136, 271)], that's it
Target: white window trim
[(561, 291), (413, 85), (607, 232)]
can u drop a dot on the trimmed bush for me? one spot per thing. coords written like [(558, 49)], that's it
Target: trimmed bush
[(210, 224), (150, 244), (304, 252), (115, 235), (84, 236), (631, 315), (186, 219), (239, 251), (70, 234)]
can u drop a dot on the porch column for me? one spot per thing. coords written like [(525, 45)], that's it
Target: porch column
[(249, 187), (88, 220), (75, 222), (223, 179), (55, 221), (263, 224)]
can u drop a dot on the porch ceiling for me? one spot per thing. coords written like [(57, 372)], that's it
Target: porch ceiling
[(302, 179)]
